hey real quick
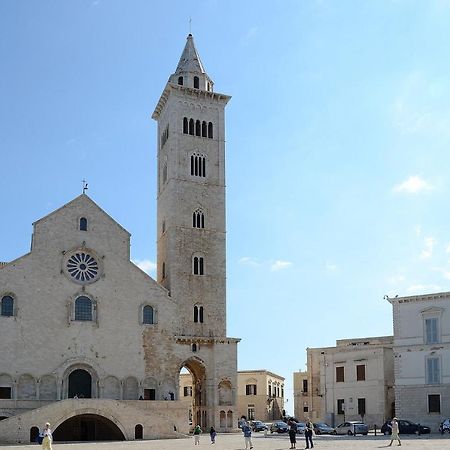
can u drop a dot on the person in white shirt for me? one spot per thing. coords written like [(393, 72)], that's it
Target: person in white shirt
[(48, 438)]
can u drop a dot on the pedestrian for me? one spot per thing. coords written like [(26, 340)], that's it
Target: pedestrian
[(212, 433), (395, 430), (197, 433), (247, 433), (47, 437), (292, 432), (309, 433)]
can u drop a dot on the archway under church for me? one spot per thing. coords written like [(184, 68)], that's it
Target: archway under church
[(88, 427), (193, 391)]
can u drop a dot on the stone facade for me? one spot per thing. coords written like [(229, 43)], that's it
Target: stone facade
[(79, 319), (422, 358), (260, 395), (351, 381)]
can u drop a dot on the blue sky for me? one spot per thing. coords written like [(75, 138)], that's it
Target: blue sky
[(338, 138)]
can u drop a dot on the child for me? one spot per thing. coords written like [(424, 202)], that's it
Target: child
[(212, 433)]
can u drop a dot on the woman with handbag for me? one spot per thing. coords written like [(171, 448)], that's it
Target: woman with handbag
[(47, 437)]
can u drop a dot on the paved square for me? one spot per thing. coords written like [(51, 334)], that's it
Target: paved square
[(271, 442)]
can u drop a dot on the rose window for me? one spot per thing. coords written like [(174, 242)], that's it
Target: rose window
[(82, 267)]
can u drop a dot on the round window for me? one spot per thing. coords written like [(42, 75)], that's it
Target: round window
[(82, 266)]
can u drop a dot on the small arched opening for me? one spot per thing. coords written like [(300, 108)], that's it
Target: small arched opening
[(34, 433), (138, 431), (88, 427)]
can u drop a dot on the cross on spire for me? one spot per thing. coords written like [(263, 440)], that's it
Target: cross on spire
[(85, 186)]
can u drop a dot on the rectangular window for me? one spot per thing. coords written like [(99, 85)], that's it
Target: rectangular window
[(250, 389), (187, 391), (434, 403), (149, 394), (305, 386), (340, 374), (433, 371), (251, 412), (5, 392), (360, 372), (362, 406), (340, 406), (431, 331), (305, 409)]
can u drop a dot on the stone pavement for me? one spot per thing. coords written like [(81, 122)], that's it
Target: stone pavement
[(271, 442)]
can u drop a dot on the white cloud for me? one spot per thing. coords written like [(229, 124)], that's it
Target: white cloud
[(331, 267), (146, 265), (280, 265), (413, 185), (249, 261), (429, 243), (445, 272), (423, 288), (418, 230), (447, 250)]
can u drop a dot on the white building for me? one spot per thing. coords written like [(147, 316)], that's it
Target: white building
[(351, 381), (422, 357), (79, 319)]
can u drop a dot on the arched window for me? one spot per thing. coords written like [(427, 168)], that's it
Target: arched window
[(198, 266), (194, 348), (198, 165), (204, 129), (198, 219), (185, 125), (191, 126), (198, 128), (7, 306), (164, 180), (180, 81), (196, 83), (83, 224), (148, 315), (210, 130), (198, 314), (83, 308)]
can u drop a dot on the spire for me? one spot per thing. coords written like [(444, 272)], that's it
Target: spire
[(189, 67), (190, 60)]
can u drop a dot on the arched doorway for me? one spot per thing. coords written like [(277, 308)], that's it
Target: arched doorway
[(80, 384), (138, 431), (34, 433), (193, 391), (88, 427)]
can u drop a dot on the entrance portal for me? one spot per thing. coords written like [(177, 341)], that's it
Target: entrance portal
[(80, 384), (88, 427)]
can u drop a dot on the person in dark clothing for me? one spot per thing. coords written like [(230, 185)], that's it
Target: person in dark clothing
[(292, 432), (308, 434)]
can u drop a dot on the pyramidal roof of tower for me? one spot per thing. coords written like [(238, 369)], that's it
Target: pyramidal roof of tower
[(190, 60)]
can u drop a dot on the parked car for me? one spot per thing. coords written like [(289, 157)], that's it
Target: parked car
[(323, 428), (352, 428), (301, 427), (279, 427), (405, 427), (257, 425), (445, 426)]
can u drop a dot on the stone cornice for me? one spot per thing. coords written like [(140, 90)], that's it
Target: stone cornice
[(418, 298), (205, 340), (188, 92)]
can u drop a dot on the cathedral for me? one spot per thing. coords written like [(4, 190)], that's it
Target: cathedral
[(95, 346)]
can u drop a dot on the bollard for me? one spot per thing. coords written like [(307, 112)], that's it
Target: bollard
[(375, 429)]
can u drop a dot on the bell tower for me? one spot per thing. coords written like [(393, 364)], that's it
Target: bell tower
[(191, 196)]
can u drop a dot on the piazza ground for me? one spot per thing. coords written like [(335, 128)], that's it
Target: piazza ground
[(271, 442)]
